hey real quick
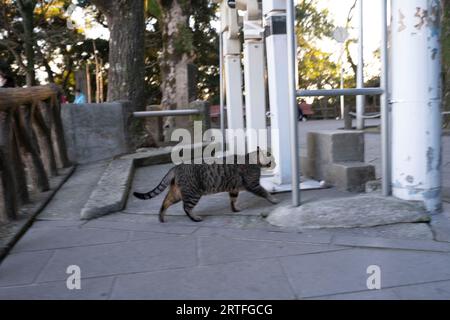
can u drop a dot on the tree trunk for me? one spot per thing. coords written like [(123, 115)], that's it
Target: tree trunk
[(126, 74), (177, 53), (26, 9), (126, 50)]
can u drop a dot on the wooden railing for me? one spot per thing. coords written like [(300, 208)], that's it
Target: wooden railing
[(32, 145)]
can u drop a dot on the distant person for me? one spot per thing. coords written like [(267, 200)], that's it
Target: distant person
[(300, 111), (80, 98)]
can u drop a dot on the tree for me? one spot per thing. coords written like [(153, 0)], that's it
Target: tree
[(315, 67), (26, 9), (173, 44), (125, 19)]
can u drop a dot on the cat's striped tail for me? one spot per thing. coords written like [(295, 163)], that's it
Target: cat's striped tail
[(160, 188)]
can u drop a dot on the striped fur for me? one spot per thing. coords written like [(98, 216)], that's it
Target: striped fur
[(160, 188), (189, 182)]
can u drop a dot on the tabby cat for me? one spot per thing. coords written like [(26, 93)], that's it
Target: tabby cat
[(189, 182)]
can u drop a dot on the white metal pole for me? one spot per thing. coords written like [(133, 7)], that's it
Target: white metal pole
[(292, 56), (384, 105), (222, 95), (360, 76), (342, 80), (416, 102), (274, 12)]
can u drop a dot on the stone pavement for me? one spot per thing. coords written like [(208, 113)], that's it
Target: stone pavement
[(130, 255)]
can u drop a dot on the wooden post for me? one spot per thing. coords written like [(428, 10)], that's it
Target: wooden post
[(8, 197)]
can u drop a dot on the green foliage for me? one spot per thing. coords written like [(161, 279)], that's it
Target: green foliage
[(196, 36), (316, 70), (59, 50), (153, 9)]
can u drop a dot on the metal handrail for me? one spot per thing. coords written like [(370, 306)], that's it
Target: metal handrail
[(374, 116), (166, 113), (340, 92)]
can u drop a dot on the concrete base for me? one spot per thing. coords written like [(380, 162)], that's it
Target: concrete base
[(336, 157), (272, 187), (360, 211), (350, 176)]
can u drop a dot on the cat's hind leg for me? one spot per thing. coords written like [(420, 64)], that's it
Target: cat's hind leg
[(233, 198), (189, 202), (259, 191), (172, 197)]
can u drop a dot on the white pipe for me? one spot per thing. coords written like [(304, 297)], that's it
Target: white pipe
[(360, 71), (277, 73), (416, 102), (222, 95), (384, 106), (292, 56)]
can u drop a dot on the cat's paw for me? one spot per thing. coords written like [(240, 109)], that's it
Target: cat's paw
[(273, 200), (235, 209), (196, 218)]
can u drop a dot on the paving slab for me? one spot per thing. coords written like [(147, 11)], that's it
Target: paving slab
[(313, 238), (50, 224), (423, 245), (237, 281), (22, 268), (70, 199), (149, 227), (415, 231), (428, 291), (126, 257), (44, 239), (345, 271), (215, 250), (93, 289), (359, 211), (386, 294)]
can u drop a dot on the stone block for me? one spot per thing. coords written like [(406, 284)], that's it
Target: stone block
[(336, 146), (349, 176), (95, 132)]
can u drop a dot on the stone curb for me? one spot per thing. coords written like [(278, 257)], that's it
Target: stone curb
[(359, 211), (32, 210), (111, 193)]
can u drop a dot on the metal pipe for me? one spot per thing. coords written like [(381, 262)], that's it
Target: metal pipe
[(384, 106), (360, 100), (166, 113), (293, 112), (340, 92), (222, 95)]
